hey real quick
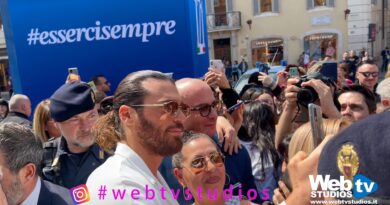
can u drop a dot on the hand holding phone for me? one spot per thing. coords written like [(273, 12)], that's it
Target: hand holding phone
[(315, 115)]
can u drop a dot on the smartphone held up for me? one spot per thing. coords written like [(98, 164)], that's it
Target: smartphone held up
[(73, 75), (217, 65), (315, 115)]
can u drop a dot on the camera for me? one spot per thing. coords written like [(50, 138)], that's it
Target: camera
[(307, 94)]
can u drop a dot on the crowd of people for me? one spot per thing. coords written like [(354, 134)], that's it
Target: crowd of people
[(196, 141)]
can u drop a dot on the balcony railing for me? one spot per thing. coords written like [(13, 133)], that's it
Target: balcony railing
[(224, 21)]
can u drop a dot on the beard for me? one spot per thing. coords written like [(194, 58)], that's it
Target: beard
[(156, 140), (84, 140)]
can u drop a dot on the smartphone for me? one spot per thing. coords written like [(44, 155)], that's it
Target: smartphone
[(234, 107), (217, 65), (286, 180), (315, 116), (293, 72), (329, 69), (73, 74)]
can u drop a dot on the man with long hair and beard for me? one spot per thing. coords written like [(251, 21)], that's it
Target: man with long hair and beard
[(147, 123)]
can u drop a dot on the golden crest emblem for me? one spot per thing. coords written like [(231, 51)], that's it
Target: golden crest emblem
[(348, 161)]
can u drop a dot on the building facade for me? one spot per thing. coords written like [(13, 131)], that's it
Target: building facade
[(368, 26), (274, 30)]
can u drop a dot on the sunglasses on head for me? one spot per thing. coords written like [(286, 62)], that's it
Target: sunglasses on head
[(367, 74), (199, 164)]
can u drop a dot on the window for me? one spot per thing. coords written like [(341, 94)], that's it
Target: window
[(265, 6), (311, 4), (374, 2), (319, 3)]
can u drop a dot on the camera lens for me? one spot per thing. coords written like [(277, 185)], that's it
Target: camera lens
[(307, 95)]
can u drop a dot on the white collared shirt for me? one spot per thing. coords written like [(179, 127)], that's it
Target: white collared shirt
[(34, 195), (126, 173)]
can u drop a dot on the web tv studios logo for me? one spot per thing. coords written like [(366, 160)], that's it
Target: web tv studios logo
[(360, 187), (80, 194)]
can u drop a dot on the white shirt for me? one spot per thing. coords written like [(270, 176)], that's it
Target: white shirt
[(126, 173), (34, 195)]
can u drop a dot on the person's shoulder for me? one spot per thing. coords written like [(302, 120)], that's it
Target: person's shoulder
[(59, 195), (241, 157), (115, 170)]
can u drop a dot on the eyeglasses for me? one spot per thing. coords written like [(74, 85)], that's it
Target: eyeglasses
[(205, 110), (199, 164), (367, 74), (170, 107)]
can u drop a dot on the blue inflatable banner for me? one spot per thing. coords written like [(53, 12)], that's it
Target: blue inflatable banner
[(46, 37)]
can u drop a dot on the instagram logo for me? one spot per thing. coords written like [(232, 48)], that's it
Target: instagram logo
[(80, 194)]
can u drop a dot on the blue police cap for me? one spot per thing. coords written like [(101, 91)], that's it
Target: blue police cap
[(363, 148), (71, 99)]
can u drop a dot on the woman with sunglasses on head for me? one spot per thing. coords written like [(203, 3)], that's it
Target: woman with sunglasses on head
[(199, 168)]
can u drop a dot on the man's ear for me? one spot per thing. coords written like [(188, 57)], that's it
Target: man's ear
[(127, 114), (179, 176), (27, 173)]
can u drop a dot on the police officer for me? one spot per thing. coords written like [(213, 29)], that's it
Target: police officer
[(70, 159), (361, 152)]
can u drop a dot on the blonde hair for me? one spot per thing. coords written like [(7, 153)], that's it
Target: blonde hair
[(302, 139), (41, 117), (388, 71)]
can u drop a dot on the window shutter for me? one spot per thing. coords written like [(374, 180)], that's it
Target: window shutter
[(256, 7), (310, 4), (209, 6), (275, 6), (330, 3), (229, 5)]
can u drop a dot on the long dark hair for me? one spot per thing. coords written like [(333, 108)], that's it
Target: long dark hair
[(108, 129), (259, 127)]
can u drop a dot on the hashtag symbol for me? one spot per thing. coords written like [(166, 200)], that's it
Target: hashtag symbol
[(102, 192), (33, 36)]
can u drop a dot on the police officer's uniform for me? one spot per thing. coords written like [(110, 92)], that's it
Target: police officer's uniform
[(60, 166), (66, 169), (361, 149)]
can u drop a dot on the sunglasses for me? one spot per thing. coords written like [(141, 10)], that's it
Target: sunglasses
[(199, 164), (170, 107), (205, 110), (367, 74)]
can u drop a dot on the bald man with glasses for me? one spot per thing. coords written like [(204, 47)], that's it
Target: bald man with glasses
[(202, 118)]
